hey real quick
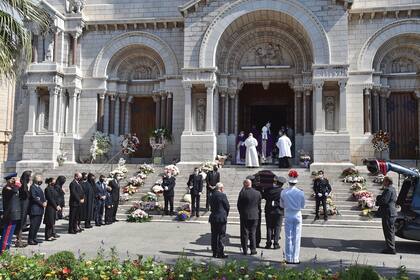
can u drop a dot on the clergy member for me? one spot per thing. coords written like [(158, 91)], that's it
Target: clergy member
[(284, 145), (251, 158), (266, 143), (240, 148)]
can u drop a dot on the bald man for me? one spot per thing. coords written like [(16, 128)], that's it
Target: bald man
[(77, 199), (249, 207)]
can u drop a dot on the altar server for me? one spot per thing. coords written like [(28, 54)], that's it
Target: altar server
[(285, 153), (251, 158)]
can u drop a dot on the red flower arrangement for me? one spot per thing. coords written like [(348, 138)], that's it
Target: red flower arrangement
[(293, 173)]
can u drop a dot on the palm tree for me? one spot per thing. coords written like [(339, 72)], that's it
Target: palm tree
[(15, 38)]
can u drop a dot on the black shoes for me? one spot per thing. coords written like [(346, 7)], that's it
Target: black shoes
[(31, 242), (325, 218), (389, 251), (316, 218), (292, 262), (222, 256), (276, 246), (56, 235), (267, 246), (254, 253)]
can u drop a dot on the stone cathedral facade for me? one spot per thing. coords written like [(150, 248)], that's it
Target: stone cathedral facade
[(333, 71)]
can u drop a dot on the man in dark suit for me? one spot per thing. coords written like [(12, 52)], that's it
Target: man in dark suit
[(115, 194), (168, 185), (195, 184), (249, 207), (218, 220), (37, 206), (213, 177), (77, 199), (100, 197), (322, 190), (273, 212), (388, 211)]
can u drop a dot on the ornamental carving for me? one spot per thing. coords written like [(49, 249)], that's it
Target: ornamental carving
[(403, 65), (75, 6), (266, 54)]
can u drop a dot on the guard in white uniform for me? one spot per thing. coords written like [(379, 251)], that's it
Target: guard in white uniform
[(293, 201)]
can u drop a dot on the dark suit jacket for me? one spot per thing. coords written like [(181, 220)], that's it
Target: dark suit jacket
[(76, 194), (37, 199), (219, 205), (272, 200), (321, 186), (196, 181), (170, 183), (213, 177), (115, 193), (386, 202), (11, 204), (100, 189), (249, 204)]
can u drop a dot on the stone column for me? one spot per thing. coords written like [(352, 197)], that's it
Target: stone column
[(163, 110), (231, 110), (156, 99), (106, 115), (318, 112), (33, 104), (187, 109), (343, 106), (226, 114), (209, 108), (298, 113), (74, 50), (308, 112), (375, 111), (101, 110), (128, 116), (34, 48), (236, 113), (77, 111), (53, 109), (169, 104), (222, 117), (384, 108), (72, 112), (60, 115), (117, 116), (123, 109), (54, 58), (367, 111), (417, 94), (111, 113)]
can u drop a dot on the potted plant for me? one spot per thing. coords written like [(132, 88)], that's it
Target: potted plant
[(158, 140)]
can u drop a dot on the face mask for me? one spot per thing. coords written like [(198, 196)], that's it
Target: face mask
[(38, 182), (196, 172), (101, 180)]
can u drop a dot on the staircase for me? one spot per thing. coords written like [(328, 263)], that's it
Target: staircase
[(232, 178)]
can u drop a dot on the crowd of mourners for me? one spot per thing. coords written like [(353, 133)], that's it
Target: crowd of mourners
[(90, 200)]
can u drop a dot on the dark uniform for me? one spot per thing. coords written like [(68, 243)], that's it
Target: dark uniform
[(115, 194), (89, 188), (59, 189), (75, 204), (218, 219), (387, 210), (24, 196), (249, 207), (195, 184), (52, 198), (11, 213), (168, 195), (213, 177), (109, 207), (322, 189), (273, 215)]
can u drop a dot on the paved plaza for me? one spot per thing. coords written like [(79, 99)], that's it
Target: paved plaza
[(326, 247)]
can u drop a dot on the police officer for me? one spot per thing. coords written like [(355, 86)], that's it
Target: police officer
[(195, 185), (273, 212), (322, 190), (213, 177), (388, 211), (218, 219), (168, 185)]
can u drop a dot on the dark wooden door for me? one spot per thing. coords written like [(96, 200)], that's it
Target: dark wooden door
[(403, 125), (143, 123)]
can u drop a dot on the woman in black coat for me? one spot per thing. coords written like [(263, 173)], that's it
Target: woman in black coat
[(24, 196), (51, 196), (59, 183), (89, 188)]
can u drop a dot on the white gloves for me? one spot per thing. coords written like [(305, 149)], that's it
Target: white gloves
[(199, 193), (166, 188), (320, 194), (326, 194), (191, 187)]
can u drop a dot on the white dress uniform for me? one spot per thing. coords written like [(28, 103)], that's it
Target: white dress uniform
[(292, 200)]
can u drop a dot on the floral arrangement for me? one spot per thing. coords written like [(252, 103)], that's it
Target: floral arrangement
[(354, 179), (185, 207), (136, 181), (146, 169), (173, 168), (136, 205), (61, 158), (304, 158), (124, 197), (222, 158), (361, 194), (356, 187), (151, 206), (157, 189), (331, 207), (366, 202), (351, 171), (207, 166), (380, 141), (129, 144), (101, 144), (162, 133), (186, 198), (120, 171), (138, 216), (149, 197), (130, 189), (183, 215)]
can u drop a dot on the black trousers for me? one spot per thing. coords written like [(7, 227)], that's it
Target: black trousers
[(115, 209), (284, 162), (248, 229), (273, 224), (318, 201), (195, 203), (209, 191), (34, 227), (74, 218), (388, 227), (218, 231), (49, 231), (99, 211), (169, 204), (258, 232), (109, 211)]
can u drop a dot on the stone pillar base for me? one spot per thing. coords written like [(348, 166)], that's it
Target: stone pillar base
[(331, 147), (222, 143), (198, 147)]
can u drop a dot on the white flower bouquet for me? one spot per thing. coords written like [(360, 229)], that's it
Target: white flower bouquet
[(138, 216), (101, 144), (173, 168), (146, 169)]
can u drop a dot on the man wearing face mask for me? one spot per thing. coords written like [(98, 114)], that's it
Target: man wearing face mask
[(168, 185), (322, 190), (11, 210), (37, 207), (77, 199), (195, 185), (100, 201), (213, 177)]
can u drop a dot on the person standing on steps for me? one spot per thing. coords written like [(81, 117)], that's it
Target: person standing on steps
[(76, 201), (273, 212), (322, 190), (218, 220), (213, 177), (195, 185), (168, 185), (249, 207), (37, 207), (115, 193), (292, 200), (251, 156), (388, 212), (285, 153)]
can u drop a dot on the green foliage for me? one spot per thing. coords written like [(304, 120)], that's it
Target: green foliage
[(64, 265)]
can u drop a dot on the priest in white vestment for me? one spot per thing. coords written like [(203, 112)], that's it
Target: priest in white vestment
[(251, 158), (285, 153)]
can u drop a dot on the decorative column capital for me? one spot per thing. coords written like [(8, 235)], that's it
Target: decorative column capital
[(163, 95), (102, 95), (342, 84), (54, 90), (156, 98), (111, 96), (130, 99), (318, 84), (232, 93), (386, 92), (123, 97), (210, 86), (187, 85), (298, 92), (170, 95)]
